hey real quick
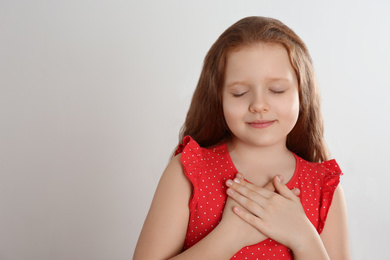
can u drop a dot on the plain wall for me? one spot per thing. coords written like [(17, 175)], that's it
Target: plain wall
[(93, 94)]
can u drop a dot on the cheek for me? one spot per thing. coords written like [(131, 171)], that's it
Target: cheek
[(295, 105), (233, 112), (228, 105), (229, 113), (289, 108), (294, 109)]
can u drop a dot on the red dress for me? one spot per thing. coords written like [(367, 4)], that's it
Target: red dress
[(208, 169)]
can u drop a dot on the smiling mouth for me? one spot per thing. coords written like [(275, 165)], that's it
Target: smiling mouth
[(261, 123)]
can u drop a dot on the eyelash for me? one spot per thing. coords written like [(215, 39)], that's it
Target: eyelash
[(278, 92), (239, 95)]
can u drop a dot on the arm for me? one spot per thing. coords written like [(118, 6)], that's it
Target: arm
[(165, 227), (164, 230), (334, 237), (335, 232)]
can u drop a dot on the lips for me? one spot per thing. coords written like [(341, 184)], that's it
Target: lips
[(261, 123)]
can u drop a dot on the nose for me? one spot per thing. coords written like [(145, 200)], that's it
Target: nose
[(259, 104)]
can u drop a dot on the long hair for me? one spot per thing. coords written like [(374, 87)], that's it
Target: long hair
[(205, 121)]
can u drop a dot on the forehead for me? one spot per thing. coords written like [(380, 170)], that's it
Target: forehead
[(261, 61)]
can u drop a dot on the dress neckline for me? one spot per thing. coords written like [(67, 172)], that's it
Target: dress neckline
[(289, 184)]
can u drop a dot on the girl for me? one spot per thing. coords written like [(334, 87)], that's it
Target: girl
[(250, 179)]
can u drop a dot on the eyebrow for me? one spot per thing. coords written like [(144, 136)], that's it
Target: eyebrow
[(234, 83), (268, 80), (273, 79)]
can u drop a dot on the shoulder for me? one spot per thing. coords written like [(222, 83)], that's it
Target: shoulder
[(174, 171), (323, 177), (188, 144), (325, 169), (173, 181), (192, 154), (174, 163)]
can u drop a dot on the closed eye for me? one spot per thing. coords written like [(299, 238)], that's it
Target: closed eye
[(238, 94), (277, 91)]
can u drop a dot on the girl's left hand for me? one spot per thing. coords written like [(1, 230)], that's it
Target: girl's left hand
[(279, 215)]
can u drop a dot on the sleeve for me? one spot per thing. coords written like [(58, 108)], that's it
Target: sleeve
[(330, 181), (191, 160)]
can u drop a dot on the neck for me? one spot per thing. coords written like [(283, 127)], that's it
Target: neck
[(267, 161), (257, 153)]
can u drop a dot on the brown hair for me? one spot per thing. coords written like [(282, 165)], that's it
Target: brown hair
[(205, 121)]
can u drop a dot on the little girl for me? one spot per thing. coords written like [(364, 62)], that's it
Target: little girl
[(250, 178)]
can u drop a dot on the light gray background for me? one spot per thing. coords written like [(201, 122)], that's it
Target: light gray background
[(93, 93)]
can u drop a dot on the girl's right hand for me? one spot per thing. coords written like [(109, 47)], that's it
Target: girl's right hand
[(244, 234)]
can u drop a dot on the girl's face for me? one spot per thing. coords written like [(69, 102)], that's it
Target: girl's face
[(260, 95)]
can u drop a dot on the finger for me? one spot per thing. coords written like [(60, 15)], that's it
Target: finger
[(270, 185), (240, 176), (249, 218), (244, 187), (248, 204), (283, 190), (250, 199), (296, 191)]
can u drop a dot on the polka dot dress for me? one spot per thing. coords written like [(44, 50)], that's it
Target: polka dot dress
[(208, 169)]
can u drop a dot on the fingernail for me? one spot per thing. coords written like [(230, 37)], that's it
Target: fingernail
[(239, 175), (278, 179), (237, 180), (229, 183), (297, 192), (230, 191)]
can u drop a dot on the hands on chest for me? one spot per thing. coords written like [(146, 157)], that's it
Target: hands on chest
[(255, 213)]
